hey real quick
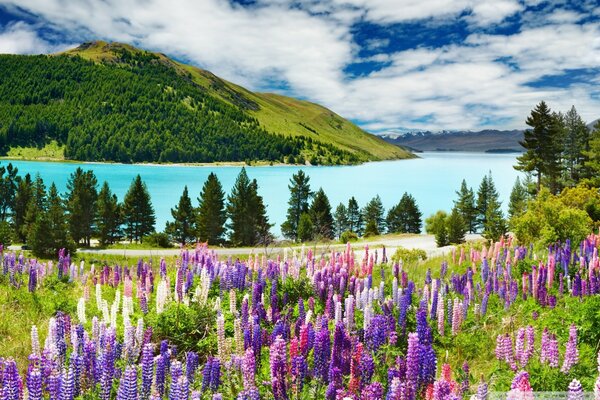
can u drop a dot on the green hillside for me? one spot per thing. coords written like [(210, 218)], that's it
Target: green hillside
[(113, 102)]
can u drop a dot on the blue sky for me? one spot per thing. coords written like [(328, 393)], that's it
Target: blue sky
[(389, 65)]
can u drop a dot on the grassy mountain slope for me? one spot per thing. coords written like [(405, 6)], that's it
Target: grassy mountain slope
[(275, 113)]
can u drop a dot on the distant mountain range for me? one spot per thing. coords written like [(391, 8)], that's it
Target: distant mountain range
[(489, 141)]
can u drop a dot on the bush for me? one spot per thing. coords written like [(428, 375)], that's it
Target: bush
[(348, 236), (157, 239), (409, 256), (6, 234)]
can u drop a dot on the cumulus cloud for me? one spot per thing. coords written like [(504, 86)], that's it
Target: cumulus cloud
[(22, 38), (307, 44)]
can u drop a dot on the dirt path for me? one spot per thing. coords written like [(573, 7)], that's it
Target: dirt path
[(423, 242)]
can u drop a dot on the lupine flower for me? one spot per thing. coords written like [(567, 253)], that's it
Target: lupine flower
[(34, 384), (575, 390), (571, 353), (147, 370), (277, 359)]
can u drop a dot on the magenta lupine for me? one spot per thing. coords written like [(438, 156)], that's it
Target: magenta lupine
[(571, 352), (413, 360)]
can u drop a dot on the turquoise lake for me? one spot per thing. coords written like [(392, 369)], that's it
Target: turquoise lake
[(432, 179)]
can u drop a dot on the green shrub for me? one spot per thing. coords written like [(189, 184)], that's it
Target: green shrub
[(409, 256), (157, 239), (348, 236)]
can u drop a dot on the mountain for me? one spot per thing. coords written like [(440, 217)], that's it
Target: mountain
[(113, 102), (489, 140)]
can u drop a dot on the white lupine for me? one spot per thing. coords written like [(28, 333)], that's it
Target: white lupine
[(162, 294), (81, 310), (395, 291), (74, 337), (99, 296), (139, 335), (217, 306), (114, 311), (440, 315), (105, 312), (338, 311), (367, 316), (221, 344), (50, 343), (238, 336), (349, 312), (127, 307), (35, 341), (232, 302), (381, 291)]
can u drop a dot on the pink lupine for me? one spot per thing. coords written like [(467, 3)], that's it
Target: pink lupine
[(571, 353)]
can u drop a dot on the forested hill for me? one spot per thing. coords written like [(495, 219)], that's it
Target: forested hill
[(113, 102)]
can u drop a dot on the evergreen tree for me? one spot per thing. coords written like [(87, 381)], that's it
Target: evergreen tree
[(37, 204), (404, 217), (300, 195), (305, 228), (466, 206), (183, 227), (81, 201), (592, 162), (8, 188), (456, 227), (109, 216), (260, 220), (320, 215), (541, 143), (354, 217), (341, 224), (437, 225), (518, 199), (575, 143), (138, 212), (374, 212), (211, 215), (246, 210), (495, 225), (485, 195), (22, 198), (49, 233)]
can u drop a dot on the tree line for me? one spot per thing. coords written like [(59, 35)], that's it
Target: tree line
[(135, 109), (309, 215)]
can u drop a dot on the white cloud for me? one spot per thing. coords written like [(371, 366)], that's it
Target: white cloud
[(459, 86), (22, 38)]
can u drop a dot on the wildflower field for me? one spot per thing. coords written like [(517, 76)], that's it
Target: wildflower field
[(341, 325)]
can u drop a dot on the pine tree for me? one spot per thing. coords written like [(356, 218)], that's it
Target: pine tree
[(305, 228), (456, 227), (260, 220), (354, 217), (8, 187), (37, 204), (138, 212), (320, 215), (374, 213), (518, 199), (211, 215), (81, 201), (49, 232), (541, 145), (300, 195), (109, 216), (466, 206), (183, 227), (592, 163), (404, 217), (340, 219), (575, 142), (485, 195), (495, 225), (22, 199)]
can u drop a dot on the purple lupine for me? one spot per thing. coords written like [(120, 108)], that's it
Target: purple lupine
[(161, 373), (299, 370), (128, 384), (191, 364), (277, 359), (322, 354), (249, 394), (366, 367), (53, 386), (571, 353), (12, 386), (147, 370), (465, 385), (206, 374), (575, 391), (248, 369), (67, 385), (215, 374), (34, 384), (373, 391), (375, 334), (482, 391)]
